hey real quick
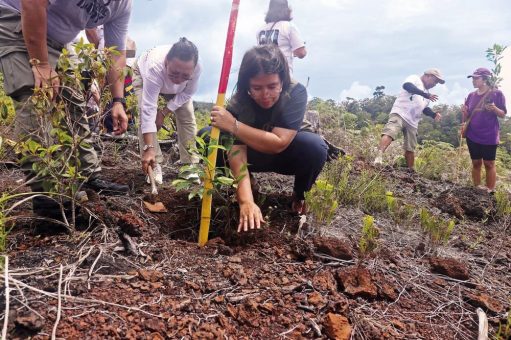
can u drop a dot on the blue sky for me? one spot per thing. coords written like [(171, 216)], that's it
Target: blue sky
[(353, 46)]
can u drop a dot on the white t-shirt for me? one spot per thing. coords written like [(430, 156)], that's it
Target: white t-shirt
[(151, 65), (410, 106), (283, 34)]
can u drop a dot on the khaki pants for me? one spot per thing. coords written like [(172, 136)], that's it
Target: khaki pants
[(186, 125), (397, 124), (19, 84)]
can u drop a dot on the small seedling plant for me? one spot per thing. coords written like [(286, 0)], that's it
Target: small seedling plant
[(369, 238), (438, 230), (322, 203)]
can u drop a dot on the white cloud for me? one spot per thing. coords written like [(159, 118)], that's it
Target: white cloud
[(356, 91), (373, 42), (451, 95)]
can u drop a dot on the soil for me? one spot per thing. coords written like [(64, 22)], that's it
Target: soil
[(128, 273)]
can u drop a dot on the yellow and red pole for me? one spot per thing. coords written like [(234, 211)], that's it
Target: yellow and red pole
[(215, 132)]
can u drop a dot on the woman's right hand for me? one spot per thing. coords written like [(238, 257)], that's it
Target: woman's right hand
[(148, 159), (250, 217)]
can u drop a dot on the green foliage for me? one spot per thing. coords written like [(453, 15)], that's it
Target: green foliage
[(53, 150), (322, 202), (401, 213), (504, 331), (6, 105), (494, 54), (439, 160), (223, 180), (438, 229), (365, 189), (369, 238), (503, 203)]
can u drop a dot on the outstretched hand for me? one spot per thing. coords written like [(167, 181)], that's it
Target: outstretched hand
[(433, 97), (250, 217)]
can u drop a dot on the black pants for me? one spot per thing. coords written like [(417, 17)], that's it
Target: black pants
[(304, 158)]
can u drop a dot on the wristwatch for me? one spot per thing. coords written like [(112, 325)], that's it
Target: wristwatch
[(147, 147), (119, 100)]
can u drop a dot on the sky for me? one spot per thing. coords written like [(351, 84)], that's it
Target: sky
[(353, 45)]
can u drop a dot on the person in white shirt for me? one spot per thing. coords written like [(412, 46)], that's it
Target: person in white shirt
[(279, 31), (172, 71), (406, 113)]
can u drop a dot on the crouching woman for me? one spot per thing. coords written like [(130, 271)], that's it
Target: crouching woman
[(265, 116)]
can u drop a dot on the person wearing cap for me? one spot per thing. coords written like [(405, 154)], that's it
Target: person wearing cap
[(280, 31), (481, 111), (411, 103), (172, 72)]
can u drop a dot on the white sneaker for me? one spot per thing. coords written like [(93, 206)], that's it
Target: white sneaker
[(158, 175), (379, 159)]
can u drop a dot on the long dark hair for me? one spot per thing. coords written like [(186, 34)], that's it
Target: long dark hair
[(278, 10), (184, 50), (265, 59)]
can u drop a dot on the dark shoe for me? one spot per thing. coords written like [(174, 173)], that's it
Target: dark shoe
[(104, 186), (48, 207)]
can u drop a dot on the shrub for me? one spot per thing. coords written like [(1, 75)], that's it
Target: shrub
[(369, 238), (322, 202), (438, 229), (366, 189), (439, 160)]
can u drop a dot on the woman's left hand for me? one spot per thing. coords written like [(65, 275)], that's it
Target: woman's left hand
[(222, 119), (491, 107)]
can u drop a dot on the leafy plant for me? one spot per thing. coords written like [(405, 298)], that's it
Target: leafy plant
[(369, 238), (224, 178), (494, 54), (53, 151), (322, 202), (400, 212), (6, 105), (504, 331), (503, 203), (438, 229), (365, 189)]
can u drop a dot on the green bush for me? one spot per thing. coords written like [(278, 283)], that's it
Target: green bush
[(438, 229), (6, 105), (365, 189), (369, 237), (439, 160), (321, 202)]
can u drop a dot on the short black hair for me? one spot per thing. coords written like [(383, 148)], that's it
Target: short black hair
[(278, 10), (184, 50)]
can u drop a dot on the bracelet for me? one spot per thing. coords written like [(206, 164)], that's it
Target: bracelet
[(236, 126)]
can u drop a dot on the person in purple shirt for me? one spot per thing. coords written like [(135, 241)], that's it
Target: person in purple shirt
[(482, 132)]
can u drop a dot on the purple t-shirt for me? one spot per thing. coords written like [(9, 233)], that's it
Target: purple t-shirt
[(484, 126)]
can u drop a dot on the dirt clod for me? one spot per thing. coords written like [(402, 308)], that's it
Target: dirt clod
[(449, 267)]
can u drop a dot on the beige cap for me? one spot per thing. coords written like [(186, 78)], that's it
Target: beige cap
[(436, 72)]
